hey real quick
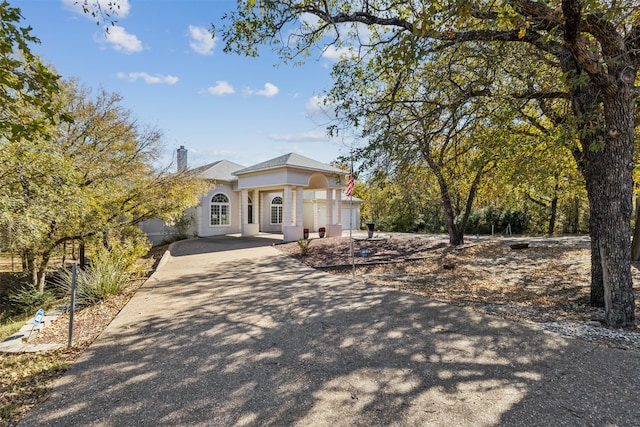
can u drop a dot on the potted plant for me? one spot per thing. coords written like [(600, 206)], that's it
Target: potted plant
[(321, 231)]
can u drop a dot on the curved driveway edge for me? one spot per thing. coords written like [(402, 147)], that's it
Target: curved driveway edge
[(229, 332)]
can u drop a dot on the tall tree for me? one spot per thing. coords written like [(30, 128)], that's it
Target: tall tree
[(27, 86), (434, 112), (593, 45), (94, 176)]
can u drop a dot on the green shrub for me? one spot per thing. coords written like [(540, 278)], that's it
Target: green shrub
[(28, 298), (108, 274), (481, 221), (129, 249), (178, 229), (304, 245)]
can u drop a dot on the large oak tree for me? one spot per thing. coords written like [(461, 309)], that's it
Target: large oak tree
[(594, 45)]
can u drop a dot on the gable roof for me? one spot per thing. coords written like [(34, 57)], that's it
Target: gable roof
[(292, 160), (222, 170)]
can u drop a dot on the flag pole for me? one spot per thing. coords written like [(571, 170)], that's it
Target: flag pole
[(349, 183)]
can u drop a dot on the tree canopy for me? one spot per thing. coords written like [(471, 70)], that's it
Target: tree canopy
[(91, 177), (26, 84), (576, 61), (583, 56)]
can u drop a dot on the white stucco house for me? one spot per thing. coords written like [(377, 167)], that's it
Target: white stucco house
[(283, 195)]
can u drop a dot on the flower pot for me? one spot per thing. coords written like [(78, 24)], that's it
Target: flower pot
[(305, 233), (321, 232)]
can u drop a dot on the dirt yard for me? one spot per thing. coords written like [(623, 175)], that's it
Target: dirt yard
[(547, 282)]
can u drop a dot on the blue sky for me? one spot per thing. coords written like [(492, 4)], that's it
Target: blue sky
[(173, 76)]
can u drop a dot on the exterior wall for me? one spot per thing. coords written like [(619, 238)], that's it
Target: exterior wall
[(354, 222), (308, 211), (204, 213), (280, 177), (265, 213), (315, 214), (156, 230), (263, 180)]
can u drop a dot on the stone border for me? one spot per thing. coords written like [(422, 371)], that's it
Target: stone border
[(18, 342)]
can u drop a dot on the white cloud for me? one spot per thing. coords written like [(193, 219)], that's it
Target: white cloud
[(201, 40), (99, 7), (335, 53), (268, 91), (148, 78), (221, 88), (120, 40), (311, 136)]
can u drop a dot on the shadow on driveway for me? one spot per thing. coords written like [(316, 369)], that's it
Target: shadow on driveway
[(251, 337)]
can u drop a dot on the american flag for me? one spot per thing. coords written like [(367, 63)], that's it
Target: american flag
[(350, 184)]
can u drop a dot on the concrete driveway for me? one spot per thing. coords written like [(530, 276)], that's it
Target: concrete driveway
[(229, 332)]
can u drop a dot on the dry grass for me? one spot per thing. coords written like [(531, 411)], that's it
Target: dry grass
[(548, 281)]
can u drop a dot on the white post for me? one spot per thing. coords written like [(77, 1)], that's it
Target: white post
[(287, 215), (329, 207), (299, 206), (338, 206), (256, 209), (244, 210)]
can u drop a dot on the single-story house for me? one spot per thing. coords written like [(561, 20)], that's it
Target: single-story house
[(283, 195)]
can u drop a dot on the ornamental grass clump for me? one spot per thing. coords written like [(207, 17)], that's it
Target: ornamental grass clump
[(108, 274), (105, 276), (304, 246)]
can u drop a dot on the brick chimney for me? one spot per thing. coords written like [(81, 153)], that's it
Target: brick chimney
[(181, 159)]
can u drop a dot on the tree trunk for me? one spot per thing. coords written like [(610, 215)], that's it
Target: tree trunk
[(456, 235), (608, 175), (81, 256), (552, 217), (635, 243), (36, 269), (574, 222), (554, 208), (40, 277), (603, 103)]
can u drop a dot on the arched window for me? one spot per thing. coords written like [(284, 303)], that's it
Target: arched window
[(276, 210), (219, 210), (250, 211)]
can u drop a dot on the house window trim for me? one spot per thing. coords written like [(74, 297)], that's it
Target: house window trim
[(220, 205), (279, 211)]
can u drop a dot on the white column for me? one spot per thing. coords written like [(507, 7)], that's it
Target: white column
[(316, 220), (329, 206), (254, 204), (339, 206), (287, 214), (299, 206), (256, 208), (244, 209)]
